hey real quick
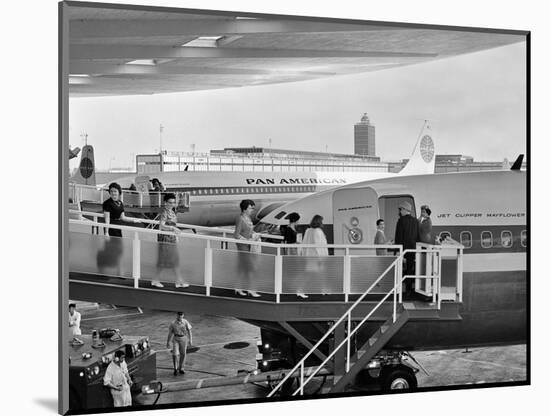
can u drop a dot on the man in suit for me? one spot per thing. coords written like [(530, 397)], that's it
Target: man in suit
[(407, 234)]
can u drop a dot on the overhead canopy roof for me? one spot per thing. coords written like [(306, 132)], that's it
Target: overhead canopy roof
[(118, 51)]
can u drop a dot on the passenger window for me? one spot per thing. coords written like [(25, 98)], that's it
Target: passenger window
[(444, 235), (524, 238), (466, 239), (486, 239), (506, 239)]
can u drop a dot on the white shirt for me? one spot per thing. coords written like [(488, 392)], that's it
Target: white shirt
[(116, 374), (314, 236), (74, 323)]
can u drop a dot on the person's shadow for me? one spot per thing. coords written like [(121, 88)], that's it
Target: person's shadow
[(49, 404)]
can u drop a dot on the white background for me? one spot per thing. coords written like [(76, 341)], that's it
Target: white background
[(29, 204)]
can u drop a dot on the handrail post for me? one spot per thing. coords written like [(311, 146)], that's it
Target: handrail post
[(395, 293), (347, 275), (136, 259), (439, 282), (302, 379), (400, 274), (349, 341), (459, 273), (432, 271), (208, 267), (141, 199), (278, 284)]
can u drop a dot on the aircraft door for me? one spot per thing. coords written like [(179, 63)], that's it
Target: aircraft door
[(354, 217), (389, 212)]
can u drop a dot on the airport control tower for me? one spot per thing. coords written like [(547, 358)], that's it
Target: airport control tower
[(364, 142)]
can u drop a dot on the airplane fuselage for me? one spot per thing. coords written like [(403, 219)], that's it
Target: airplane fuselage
[(484, 211)]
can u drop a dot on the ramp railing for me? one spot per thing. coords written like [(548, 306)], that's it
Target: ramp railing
[(211, 261), (92, 193), (398, 279)]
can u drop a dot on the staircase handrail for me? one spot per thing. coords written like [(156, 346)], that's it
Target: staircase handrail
[(334, 326), (397, 283)]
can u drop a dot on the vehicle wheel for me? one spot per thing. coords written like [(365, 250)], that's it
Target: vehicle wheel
[(398, 378)]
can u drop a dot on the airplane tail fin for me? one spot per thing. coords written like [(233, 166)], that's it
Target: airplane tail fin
[(422, 160), (85, 174), (517, 164)]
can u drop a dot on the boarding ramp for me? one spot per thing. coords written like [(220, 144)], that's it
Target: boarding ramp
[(120, 270)]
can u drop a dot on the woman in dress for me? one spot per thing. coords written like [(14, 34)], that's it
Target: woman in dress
[(244, 231), (113, 211), (168, 256), (314, 235), (290, 234)]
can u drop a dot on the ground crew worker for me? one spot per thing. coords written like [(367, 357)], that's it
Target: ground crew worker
[(118, 380), (179, 336), (74, 320)]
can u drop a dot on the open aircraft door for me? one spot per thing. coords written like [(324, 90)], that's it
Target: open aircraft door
[(354, 217)]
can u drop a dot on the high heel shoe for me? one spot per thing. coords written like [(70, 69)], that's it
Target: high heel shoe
[(254, 294), (302, 295), (240, 292)]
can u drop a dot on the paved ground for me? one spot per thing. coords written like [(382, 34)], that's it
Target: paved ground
[(211, 333)]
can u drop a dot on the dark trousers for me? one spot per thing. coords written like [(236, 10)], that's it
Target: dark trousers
[(409, 270)]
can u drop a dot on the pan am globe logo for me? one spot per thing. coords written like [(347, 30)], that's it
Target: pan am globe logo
[(86, 168), (427, 148)]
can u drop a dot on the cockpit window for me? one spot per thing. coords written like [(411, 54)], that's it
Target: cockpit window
[(280, 215)]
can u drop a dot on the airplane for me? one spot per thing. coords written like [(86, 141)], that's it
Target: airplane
[(483, 211), (215, 196)]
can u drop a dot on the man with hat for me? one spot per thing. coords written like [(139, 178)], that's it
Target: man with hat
[(179, 335), (407, 234)]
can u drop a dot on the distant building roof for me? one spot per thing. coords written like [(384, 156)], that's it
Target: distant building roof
[(287, 152)]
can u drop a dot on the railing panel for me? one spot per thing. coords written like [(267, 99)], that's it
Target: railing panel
[(366, 269), (99, 254), (164, 261), (311, 274), (132, 199), (243, 270), (91, 194)]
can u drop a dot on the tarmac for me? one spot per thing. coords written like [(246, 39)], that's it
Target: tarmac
[(211, 333)]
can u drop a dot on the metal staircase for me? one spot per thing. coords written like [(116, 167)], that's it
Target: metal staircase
[(367, 351), (346, 369)]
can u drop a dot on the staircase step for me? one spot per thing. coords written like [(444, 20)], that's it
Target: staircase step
[(384, 328), (372, 340)]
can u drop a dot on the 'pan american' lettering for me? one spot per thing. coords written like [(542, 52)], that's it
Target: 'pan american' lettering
[(294, 181)]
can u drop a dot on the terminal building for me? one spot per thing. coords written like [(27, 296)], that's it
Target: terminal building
[(258, 159), (457, 163)]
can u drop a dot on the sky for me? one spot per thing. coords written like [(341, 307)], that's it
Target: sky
[(476, 104)]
